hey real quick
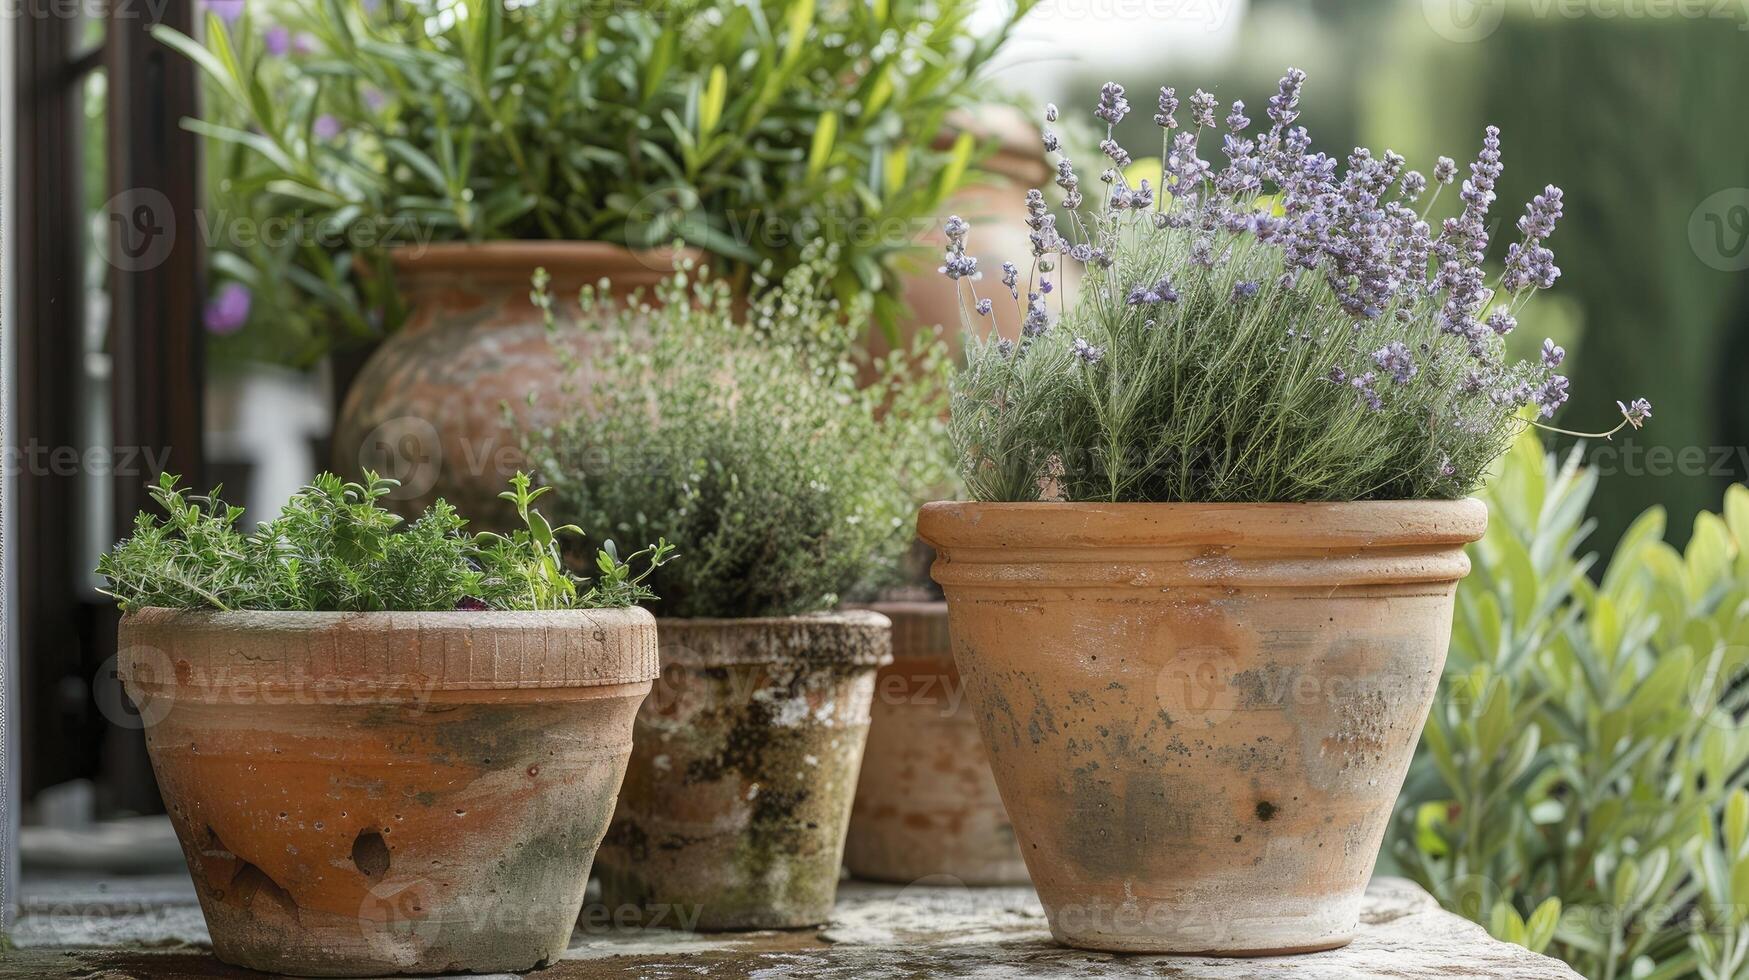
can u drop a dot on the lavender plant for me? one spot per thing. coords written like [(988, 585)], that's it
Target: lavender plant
[(1272, 328)]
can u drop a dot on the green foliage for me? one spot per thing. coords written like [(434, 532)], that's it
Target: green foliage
[(745, 128), (335, 549), (1582, 780), (751, 440)]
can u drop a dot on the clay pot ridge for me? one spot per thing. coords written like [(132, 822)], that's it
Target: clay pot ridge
[(1313, 545)]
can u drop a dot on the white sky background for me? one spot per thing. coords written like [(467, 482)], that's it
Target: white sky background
[(1062, 38)]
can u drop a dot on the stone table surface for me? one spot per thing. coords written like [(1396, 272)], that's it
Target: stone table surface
[(86, 928)]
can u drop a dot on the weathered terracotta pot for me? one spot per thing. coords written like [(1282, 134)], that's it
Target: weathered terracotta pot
[(1199, 715), (373, 793), (428, 406), (926, 804), (743, 768)]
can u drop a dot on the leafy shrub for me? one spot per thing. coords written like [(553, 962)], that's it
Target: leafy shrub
[(334, 549), (745, 128), (1268, 331), (1581, 783), (749, 441)]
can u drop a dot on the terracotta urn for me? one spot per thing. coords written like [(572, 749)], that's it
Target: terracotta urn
[(429, 406), (926, 804), (743, 769), (360, 794), (1199, 715)]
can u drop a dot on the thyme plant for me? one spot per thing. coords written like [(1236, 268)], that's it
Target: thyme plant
[(751, 439), (335, 549), (1276, 329)]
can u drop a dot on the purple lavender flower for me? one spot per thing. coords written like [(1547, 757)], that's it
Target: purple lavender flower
[(1038, 318), (1160, 291), (1244, 289), (1394, 358), (1087, 352), (958, 265), (1202, 109), (1052, 144), (326, 127), (1363, 386), (1551, 394), (277, 40), (1338, 375), (1502, 322), (956, 228), (1045, 287), (1116, 152), (1112, 105), (984, 307), (1237, 121), (228, 10), (1005, 346), (1010, 277), (1167, 117), (1050, 112), (228, 310), (1285, 103), (1414, 185), (1445, 171), (1553, 354), (1528, 263), (1637, 412), (1445, 466)]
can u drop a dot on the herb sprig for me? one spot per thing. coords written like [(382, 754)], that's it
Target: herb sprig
[(335, 548)]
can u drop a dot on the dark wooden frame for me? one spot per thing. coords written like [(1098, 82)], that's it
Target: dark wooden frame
[(155, 346)]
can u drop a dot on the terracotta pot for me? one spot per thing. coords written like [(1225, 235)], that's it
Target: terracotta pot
[(371, 793), (743, 768), (1199, 715), (926, 804), (428, 406)]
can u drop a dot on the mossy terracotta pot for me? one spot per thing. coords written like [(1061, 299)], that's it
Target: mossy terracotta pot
[(376, 793), (743, 768), (1199, 715), (429, 406), (926, 805)]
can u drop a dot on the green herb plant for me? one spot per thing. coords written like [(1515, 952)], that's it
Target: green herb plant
[(334, 548), (1583, 780), (745, 127), (755, 439)]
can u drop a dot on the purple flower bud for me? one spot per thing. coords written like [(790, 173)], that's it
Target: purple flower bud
[(1112, 105), (984, 307), (277, 40), (1202, 109), (1244, 289), (956, 228), (1050, 112), (228, 10), (1551, 394), (1087, 352), (1636, 413), (228, 310), (1445, 171), (1394, 358), (1553, 354), (1167, 117), (326, 127)]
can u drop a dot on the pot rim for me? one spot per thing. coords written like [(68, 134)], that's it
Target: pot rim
[(1344, 525), (859, 637), (565, 259), (382, 657)]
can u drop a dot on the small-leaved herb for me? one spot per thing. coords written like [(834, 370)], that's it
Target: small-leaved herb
[(335, 548)]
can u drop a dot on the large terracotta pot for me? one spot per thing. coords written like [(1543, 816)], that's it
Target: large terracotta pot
[(926, 804), (372, 793), (428, 407), (743, 768), (1199, 715)]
